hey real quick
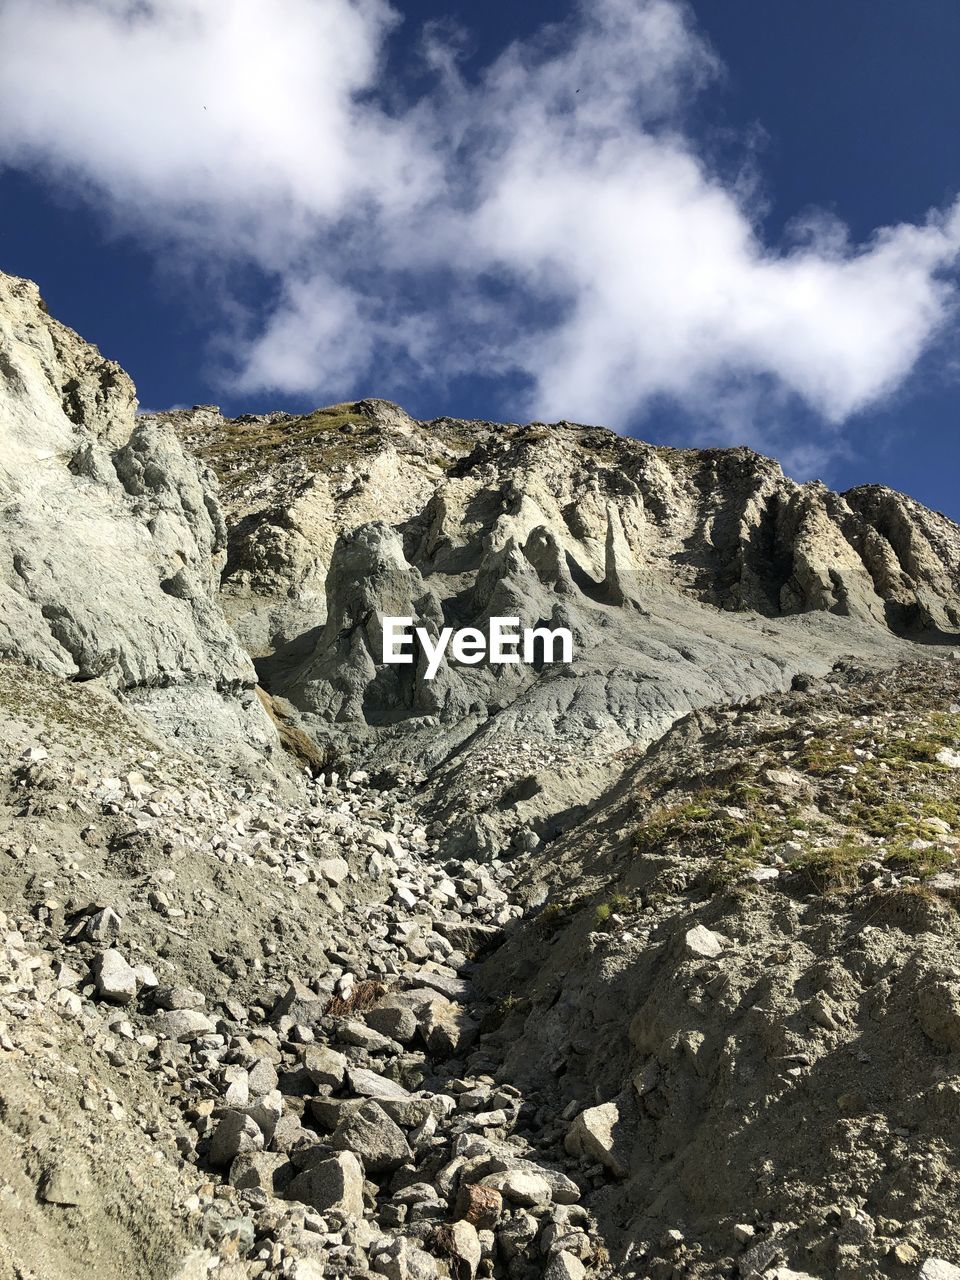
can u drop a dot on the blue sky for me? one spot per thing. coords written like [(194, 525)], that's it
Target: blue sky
[(279, 214)]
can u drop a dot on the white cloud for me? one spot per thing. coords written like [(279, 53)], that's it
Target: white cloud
[(320, 324), (566, 174), (242, 115)]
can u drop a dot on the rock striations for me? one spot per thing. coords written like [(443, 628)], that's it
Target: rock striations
[(638, 966)]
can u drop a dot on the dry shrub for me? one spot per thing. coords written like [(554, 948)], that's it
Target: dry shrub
[(363, 996)]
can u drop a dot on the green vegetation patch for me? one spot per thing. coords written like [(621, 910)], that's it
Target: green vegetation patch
[(69, 712), (244, 447)]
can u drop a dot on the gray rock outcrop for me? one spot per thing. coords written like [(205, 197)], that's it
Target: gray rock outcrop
[(113, 538)]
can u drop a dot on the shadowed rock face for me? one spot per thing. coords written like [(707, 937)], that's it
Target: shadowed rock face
[(113, 538), (687, 576)]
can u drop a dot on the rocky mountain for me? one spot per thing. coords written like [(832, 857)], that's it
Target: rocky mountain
[(636, 965), (686, 577)]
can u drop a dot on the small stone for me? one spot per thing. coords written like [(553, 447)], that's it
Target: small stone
[(951, 759), (761, 875), (937, 824), (904, 1253), (944, 882), (702, 942)]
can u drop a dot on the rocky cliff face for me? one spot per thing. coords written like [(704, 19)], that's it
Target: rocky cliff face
[(686, 577), (591, 514), (113, 538)]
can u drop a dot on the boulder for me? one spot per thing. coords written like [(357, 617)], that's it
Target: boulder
[(331, 1184), (174, 997), (520, 1186), (103, 927), (702, 943), (445, 1028), (333, 870), (67, 1183), (372, 1135), (235, 1135), (370, 1084), (564, 1266), (460, 1244), (939, 1269), (399, 1023), (352, 1032), (184, 1024), (599, 1134), (268, 1171), (401, 1259), (324, 1066), (115, 979), (300, 1003), (479, 1205)]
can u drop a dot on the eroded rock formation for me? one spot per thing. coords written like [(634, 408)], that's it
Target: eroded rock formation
[(113, 537)]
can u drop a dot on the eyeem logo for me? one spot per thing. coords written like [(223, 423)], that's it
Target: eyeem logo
[(507, 643)]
